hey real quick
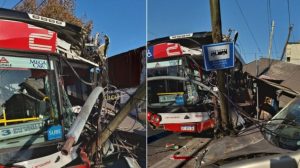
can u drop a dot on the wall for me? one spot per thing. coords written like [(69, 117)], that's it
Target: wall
[(292, 53)]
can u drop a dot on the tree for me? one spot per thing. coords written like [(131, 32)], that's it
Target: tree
[(57, 9), (28, 6), (63, 10)]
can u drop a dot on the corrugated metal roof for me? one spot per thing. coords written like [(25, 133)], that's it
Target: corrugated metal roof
[(287, 73), (262, 66)]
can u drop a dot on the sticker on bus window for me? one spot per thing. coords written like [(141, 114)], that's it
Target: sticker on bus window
[(23, 129), (4, 62), (54, 132)]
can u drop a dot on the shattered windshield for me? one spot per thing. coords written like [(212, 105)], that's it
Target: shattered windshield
[(27, 96), (283, 129), (163, 92)]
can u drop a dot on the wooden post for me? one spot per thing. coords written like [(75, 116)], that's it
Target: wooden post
[(217, 38)]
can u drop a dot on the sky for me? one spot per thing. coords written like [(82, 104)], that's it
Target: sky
[(170, 17), (124, 21)]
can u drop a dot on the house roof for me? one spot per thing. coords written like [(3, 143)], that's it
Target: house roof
[(286, 74)]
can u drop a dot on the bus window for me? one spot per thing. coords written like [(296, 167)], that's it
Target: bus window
[(27, 97)]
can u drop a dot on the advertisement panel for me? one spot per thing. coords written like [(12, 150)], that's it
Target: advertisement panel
[(24, 63)]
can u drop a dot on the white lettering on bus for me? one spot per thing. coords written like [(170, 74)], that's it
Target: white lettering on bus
[(33, 36), (173, 49)]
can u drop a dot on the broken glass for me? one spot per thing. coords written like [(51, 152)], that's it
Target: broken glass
[(27, 99)]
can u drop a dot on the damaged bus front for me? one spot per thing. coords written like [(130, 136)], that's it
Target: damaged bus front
[(181, 94), (35, 112)]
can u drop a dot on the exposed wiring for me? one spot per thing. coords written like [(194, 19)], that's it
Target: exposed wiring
[(249, 29), (76, 74), (104, 115), (261, 125)]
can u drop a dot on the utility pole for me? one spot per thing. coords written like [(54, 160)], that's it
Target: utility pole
[(217, 38), (256, 87), (271, 42)]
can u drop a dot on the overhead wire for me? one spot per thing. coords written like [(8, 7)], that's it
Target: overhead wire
[(16, 5), (41, 4), (261, 125), (289, 12), (289, 16), (289, 32), (117, 140), (248, 27), (76, 74)]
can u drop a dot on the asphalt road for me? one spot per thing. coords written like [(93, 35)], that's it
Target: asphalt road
[(157, 140)]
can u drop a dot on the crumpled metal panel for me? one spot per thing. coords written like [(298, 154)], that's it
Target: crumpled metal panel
[(250, 141)]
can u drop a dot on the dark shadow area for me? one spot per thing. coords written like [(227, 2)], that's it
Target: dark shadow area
[(158, 136), (284, 161)]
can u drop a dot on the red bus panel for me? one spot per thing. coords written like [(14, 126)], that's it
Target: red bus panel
[(16, 35)]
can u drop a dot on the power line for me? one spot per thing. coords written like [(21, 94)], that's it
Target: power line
[(17, 4), (287, 40), (40, 5), (245, 20), (289, 13)]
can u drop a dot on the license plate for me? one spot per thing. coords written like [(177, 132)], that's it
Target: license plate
[(166, 98), (187, 128)]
